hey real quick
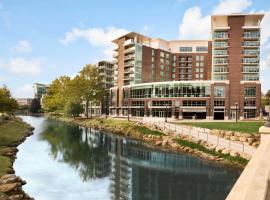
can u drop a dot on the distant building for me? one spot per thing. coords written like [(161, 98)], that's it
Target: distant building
[(24, 101), (39, 90), (106, 70)]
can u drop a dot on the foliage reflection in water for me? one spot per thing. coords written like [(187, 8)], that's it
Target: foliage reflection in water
[(134, 171)]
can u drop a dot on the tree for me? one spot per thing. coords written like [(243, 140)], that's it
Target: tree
[(73, 108), (7, 102), (57, 94), (35, 106), (88, 85)]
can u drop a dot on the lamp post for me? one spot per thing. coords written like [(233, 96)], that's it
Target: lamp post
[(267, 124), (166, 106), (236, 112)]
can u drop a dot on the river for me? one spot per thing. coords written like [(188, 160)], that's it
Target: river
[(68, 162)]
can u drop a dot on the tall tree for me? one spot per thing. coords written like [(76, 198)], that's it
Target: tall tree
[(88, 85), (57, 94), (7, 102)]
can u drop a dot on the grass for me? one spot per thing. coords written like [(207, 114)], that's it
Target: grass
[(11, 131), (122, 126), (245, 127), (203, 149)]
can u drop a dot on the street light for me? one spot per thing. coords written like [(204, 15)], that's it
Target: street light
[(267, 124), (236, 112), (166, 106)]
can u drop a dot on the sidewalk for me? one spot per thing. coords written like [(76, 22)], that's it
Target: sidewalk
[(198, 133)]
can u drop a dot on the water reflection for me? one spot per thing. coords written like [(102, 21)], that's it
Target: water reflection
[(135, 172)]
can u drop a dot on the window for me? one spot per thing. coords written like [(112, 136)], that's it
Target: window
[(197, 76), (162, 103), (250, 91), (220, 34), (161, 73), (220, 44), (162, 54), (250, 103), (219, 103), (185, 49), (153, 59), (137, 103), (201, 76), (161, 60), (219, 91), (167, 56), (173, 76), (153, 52), (162, 67), (194, 103), (202, 49)]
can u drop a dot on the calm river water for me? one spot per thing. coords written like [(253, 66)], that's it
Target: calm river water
[(67, 162)]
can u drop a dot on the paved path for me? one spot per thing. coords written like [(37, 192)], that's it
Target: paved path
[(199, 133)]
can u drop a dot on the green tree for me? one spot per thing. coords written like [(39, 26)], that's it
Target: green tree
[(73, 108), (88, 85), (35, 106), (7, 103), (57, 94)]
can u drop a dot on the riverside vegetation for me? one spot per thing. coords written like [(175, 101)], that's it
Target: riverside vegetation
[(13, 132)]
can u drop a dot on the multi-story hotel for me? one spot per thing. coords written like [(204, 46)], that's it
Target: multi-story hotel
[(213, 79)]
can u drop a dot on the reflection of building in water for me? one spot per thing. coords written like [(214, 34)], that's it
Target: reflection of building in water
[(140, 173), (98, 156)]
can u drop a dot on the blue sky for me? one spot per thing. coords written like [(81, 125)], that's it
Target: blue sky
[(41, 40)]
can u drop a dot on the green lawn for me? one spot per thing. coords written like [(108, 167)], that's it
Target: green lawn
[(245, 127), (201, 148), (10, 132), (117, 124)]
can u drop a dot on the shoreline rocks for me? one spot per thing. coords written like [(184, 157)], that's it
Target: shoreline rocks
[(10, 184)]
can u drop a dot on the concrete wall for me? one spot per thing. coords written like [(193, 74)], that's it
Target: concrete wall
[(254, 180)]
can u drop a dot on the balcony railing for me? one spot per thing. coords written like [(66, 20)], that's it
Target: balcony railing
[(129, 50), (220, 45), (251, 44), (129, 42), (251, 34), (127, 64)]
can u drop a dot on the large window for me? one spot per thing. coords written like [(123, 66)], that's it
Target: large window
[(162, 103), (219, 103), (171, 90), (202, 49), (219, 91), (250, 91), (189, 103), (185, 49)]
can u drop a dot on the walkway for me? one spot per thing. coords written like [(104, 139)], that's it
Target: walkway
[(199, 133)]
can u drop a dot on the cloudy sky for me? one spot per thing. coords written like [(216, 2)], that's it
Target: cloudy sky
[(41, 40)]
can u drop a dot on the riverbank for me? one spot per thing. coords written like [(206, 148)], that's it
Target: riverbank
[(156, 138), (13, 132)]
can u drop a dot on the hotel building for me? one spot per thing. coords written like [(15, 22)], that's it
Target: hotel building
[(208, 79)]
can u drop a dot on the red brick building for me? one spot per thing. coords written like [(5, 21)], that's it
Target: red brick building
[(215, 79)]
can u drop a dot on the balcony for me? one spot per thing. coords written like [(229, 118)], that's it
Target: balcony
[(250, 61), (129, 50), (220, 45), (251, 44), (220, 35), (128, 71), (129, 64), (115, 55), (251, 53), (129, 42), (129, 57)]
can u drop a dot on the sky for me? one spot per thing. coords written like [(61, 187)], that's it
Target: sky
[(42, 40)]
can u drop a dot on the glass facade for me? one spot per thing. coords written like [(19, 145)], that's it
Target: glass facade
[(171, 90)]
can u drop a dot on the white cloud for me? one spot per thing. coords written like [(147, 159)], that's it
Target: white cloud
[(20, 65), (25, 91), (196, 26), (231, 6), (97, 37), (22, 46)]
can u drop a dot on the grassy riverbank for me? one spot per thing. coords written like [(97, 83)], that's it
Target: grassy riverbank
[(244, 127), (11, 133), (203, 149), (154, 137)]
